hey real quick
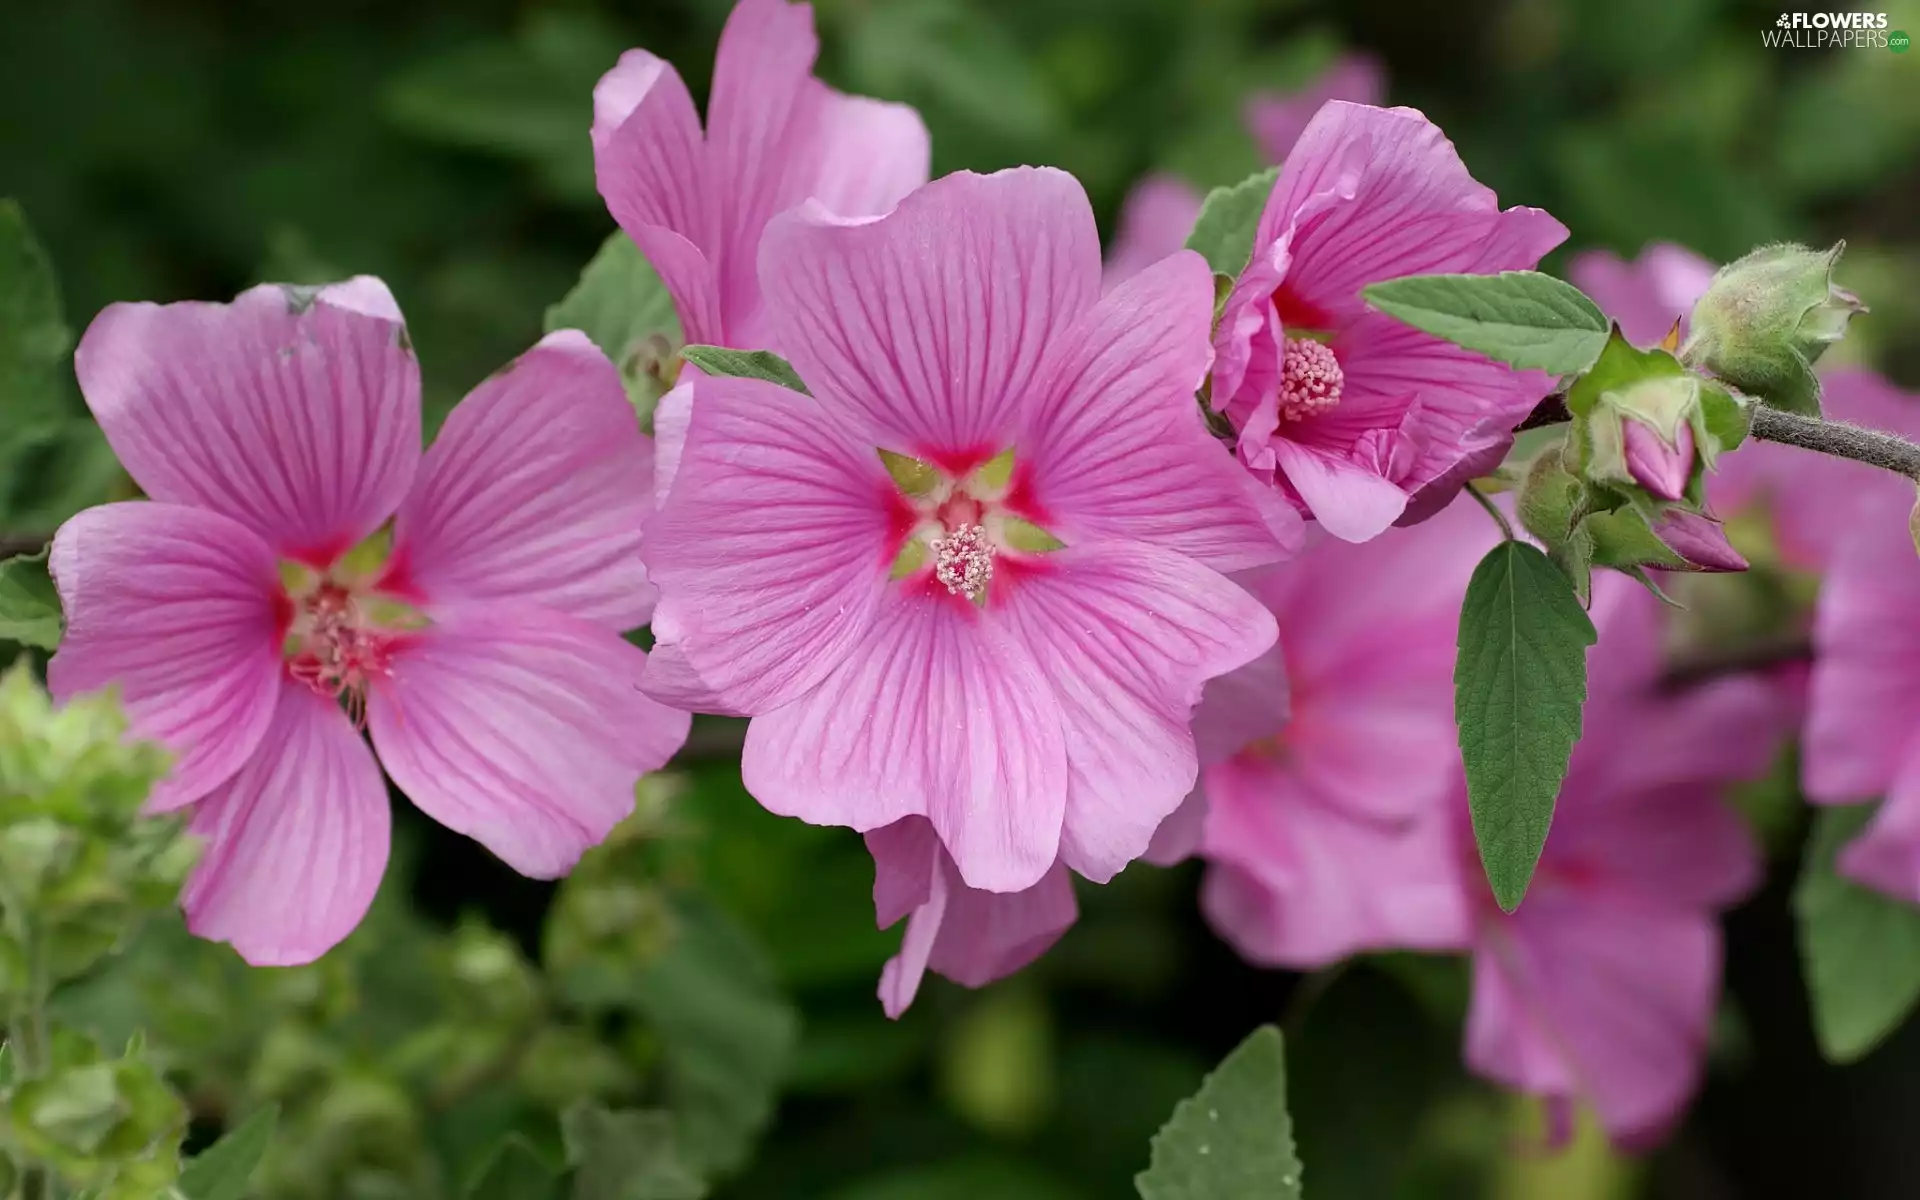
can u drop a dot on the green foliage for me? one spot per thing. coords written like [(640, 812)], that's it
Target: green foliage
[(1233, 1140), (29, 605), (953, 61), (1519, 682), (622, 305), (1861, 949), (1522, 318), (34, 339), (515, 1172), (763, 365), (223, 1170), (627, 1156), (1229, 218)]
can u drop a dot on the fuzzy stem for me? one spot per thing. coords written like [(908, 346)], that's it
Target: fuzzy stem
[(1887, 451)]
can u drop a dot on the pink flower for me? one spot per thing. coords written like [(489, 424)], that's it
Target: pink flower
[(1278, 119), (239, 604), (1863, 727), (1361, 420), (1155, 220), (976, 576), (1602, 986), (1647, 296), (775, 136), (1330, 836)]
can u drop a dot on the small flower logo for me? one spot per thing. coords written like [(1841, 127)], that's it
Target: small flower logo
[(1784, 21)]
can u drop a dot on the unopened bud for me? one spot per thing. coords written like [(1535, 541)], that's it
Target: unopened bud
[(1767, 318), (1656, 464)]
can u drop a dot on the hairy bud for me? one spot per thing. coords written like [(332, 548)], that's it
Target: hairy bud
[(1767, 318)]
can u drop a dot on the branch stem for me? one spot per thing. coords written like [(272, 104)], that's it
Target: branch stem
[(1838, 439)]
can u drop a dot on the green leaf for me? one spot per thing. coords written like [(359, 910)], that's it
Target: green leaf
[(34, 339), (1223, 234), (1519, 682), (514, 1172), (29, 605), (1522, 318), (745, 364), (1859, 949), (1233, 1139), (949, 58), (627, 1156), (623, 307), (223, 1170)]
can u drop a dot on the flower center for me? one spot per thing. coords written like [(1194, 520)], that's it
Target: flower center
[(957, 526), (1310, 379), (341, 628), (963, 560)]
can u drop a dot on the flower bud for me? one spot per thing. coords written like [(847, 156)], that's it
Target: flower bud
[(1767, 318), (1660, 465), (1644, 425)]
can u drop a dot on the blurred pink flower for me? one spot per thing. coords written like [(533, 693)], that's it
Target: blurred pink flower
[(1353, 414), (976, 576), (233, 611), (1647, 296), (1327, 834), (1601, 987), (1155, 220), (775, 136), (1278, 119)]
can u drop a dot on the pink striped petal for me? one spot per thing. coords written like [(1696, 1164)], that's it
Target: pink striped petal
[(872, 153), (296, 842), (1128, 636), (175, 607), (936, 712), (1242, 707), (1179, 836), (930, 325), (536, 490), (522, 728), (1887, 856), (1116, 447), (772, 547), (652, 169), (294, 412), (1351, 500)]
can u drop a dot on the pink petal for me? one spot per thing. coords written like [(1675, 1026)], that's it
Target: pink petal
[(1155, 221), (1699, 539), (1671, 844), (1298, 881), (294, 412), (296, 842), (930, 325), (905, 859), (522, 728), (1865, 704), (1118, 448), (671, 417), (1608, 1003), (1656, 466), (1128, 636), (1277, 119), (652, 169), (1414, 210), (772, 548), (937, 712), (1708, 734), (1887, 856), (175, 607), (872, 153), (1647, 296), (1350, 501), (1178, 837), (1242, 707), (536, 490)]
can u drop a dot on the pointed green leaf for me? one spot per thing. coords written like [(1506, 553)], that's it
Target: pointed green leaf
[(34, 338), (223, 1170), (912, 558), (1519, 682), (623, 307), (745, 364), (1233, 1139), (1025, 535), (1223, 234), (1859, 949), (996, 472), (627, 1156), (1522, 318), (514, 1172), (910, 475), (29, 605)]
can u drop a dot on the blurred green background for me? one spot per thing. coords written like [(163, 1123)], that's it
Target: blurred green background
[(166, 149)]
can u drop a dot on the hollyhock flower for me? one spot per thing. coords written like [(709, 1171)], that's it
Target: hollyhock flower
[(1326, 834), (1361, 420), (1863, 727), (1278, 119), (249, 596), (1155, 220), (697, 205), (1601, 987), (976, 575)]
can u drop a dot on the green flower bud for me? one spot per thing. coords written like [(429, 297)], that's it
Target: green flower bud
[(1767, 318)]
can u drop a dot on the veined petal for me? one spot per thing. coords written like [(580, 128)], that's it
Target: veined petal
[(292, 411), (522, 728), (296, 841), (1351, 501), (175, 607), (1128, 636), (1242, 707), (872, 153), (536, 490), (930, 325), (936, 712), (1115, 446)]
